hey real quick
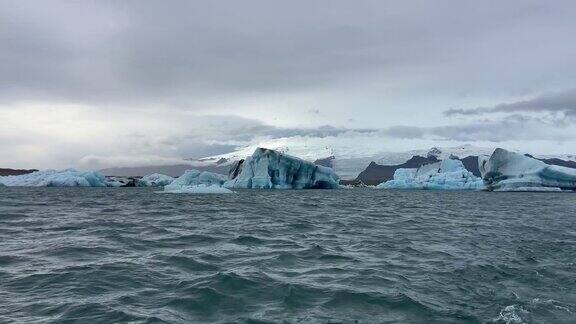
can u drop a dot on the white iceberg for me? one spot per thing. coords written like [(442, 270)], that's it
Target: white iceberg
[(154, 180), (194, 181), (508, 171), (55, 178), (448, 174), (269, 169)]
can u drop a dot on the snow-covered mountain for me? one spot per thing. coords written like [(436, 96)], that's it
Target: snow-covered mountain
[(347, 154), (348, 161)]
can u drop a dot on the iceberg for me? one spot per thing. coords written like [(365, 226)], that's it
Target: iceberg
[(269, 169), (194, 181), (154, 180), (448, 174), (509, 171), (55, 178)]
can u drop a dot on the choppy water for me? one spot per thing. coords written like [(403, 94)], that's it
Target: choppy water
[(119, 255)]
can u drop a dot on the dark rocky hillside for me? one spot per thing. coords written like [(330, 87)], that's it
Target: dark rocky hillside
[(556, 161), (9, 172), (375, 173)]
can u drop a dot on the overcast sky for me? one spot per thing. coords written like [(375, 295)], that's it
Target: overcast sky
[(92, 84)]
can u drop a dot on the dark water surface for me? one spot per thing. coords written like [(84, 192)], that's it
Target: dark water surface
[(133, 255)]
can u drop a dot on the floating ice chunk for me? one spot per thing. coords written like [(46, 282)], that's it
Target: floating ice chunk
[(269, 169), (198, 189), (194, 181), (508, 171), (154, 180), (195, 177), (448, 174), (54, 178)]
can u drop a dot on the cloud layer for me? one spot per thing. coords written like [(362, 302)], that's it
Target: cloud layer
[(187, 51), (99, 82), (554, 102)]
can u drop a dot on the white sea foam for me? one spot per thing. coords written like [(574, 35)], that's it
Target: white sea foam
[(199, 189), (511, 314)]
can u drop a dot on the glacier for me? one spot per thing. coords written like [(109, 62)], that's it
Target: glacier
[(269, 169), (448, 174), (58, 178), (509, 171), (154, 180), (194, 181)]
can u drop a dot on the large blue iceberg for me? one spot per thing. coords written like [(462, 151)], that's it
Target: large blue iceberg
[(55, 178), (509, 171), (194, 181), (269, 169), (448, 174)]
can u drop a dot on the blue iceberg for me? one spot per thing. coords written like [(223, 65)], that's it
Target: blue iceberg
[(448, 174), (269, 169), (194, 181), (509, 171), (55, 178)]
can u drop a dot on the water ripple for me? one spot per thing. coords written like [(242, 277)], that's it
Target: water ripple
[(132, 255)]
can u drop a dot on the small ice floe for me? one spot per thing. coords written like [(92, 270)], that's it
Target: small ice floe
[(194, 181)]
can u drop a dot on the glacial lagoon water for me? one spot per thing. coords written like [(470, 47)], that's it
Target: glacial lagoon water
[(89, 255)]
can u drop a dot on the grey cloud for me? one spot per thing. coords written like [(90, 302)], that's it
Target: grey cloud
[(322, 131), (369, 64), (554, 102), (221, 129), (513, 127), (197, 150), (406, 132), (176, 53)]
